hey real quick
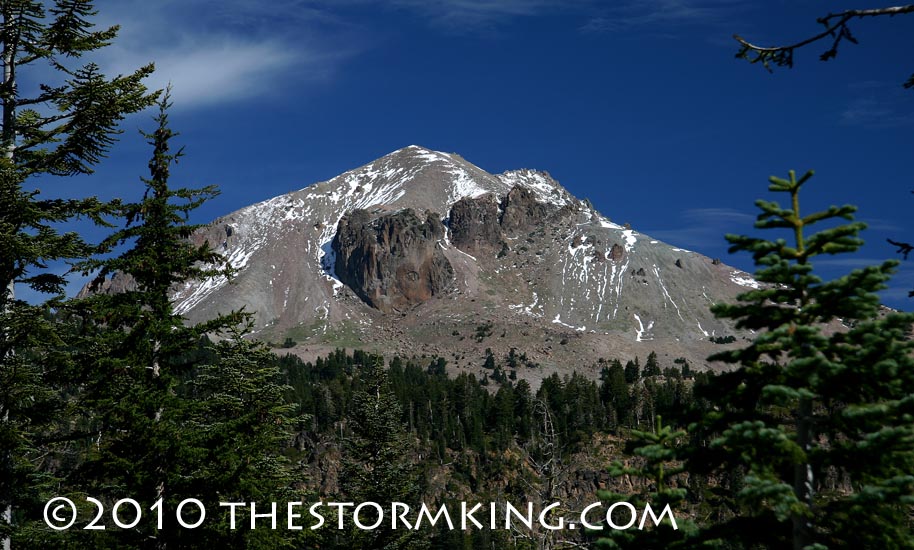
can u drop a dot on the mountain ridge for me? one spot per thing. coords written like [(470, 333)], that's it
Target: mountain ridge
[(526, 256)]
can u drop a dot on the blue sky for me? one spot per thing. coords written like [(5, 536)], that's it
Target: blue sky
[(639, 106)]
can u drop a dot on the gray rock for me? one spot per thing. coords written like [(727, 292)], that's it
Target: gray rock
[(392, 261), (474, 224)]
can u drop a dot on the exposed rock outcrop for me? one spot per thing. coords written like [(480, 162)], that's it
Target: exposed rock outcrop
[(116, 284), (520, 210), (616, 253), (481, 223), (391, 261), (474, 224)]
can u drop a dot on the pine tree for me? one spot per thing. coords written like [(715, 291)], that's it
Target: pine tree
[(241, 423), (655, 464), (632, 371), (376, 464), (64, 129), (166, 422), (816, 423), (651, 366)]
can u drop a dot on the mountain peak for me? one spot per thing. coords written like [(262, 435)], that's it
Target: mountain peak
[(416, 156), (435, 247)]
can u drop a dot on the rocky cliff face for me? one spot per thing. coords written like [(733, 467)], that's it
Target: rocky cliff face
[(474, 224), (117, 283), (521, 210), (392, 261), (483, 224)]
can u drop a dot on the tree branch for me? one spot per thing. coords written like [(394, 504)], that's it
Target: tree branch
[(836, 27), (903, 248)]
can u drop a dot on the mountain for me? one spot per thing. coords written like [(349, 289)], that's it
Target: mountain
[(421, 252)]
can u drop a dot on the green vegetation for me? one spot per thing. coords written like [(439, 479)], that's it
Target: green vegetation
[(483, 331), (809, 441), (63, 128)]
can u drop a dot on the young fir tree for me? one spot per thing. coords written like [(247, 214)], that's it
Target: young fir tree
[(817, 422), (809, 442), (64, 128), (651, 366), (241, 423), (376, 463), (165, 423), (655, 464)]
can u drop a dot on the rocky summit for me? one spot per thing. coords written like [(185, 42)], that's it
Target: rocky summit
[(422, 253)]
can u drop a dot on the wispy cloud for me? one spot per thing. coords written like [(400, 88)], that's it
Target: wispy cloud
[(210, 72), (878, 105), (701, 228), (461, 16), (717, 215), (212, 52), (475, 13), (900, 287), (871, 112), (660, 14), (849, 263), (885, 226)]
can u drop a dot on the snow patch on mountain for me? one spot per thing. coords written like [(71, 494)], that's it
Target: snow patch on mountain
[(543, 186), (642, 334), (744, 279), (665, 291), (630, 239)]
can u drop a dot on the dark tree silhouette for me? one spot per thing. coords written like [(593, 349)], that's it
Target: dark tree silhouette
[(837, 30)]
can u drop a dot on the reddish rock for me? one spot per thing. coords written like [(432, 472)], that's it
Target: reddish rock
[(616, 253)]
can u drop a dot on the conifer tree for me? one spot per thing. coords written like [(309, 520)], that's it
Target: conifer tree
[(810, 439), (376, 465), (61, 130), (651, 366), (241, 423), (134, 349), (817, 421), (632, 371), (655, 464), (167, 423), (64, 128)]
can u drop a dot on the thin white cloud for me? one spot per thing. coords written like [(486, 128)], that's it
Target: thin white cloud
[(715, 216), (879, 224), (659, 14), (877, 111), (703, 228), (464, 15), (877, 104), (472, 13), (849, 263), (211, 72), (213, 52)]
